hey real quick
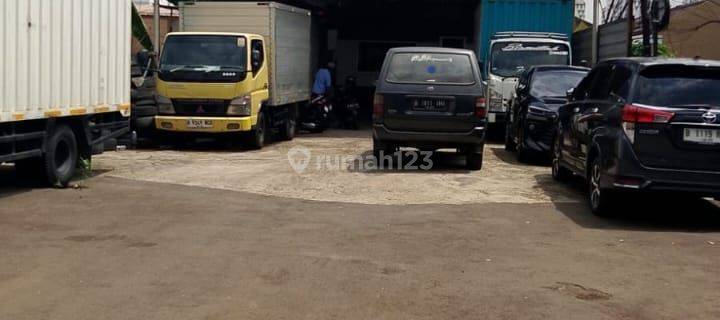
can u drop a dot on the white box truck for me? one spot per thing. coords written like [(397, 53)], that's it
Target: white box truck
[(64, 83), (235, 68)]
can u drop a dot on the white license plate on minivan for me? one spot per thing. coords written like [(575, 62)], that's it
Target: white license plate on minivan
[(199, 124), (704, 136)]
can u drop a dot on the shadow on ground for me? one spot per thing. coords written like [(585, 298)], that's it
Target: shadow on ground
[(410, 161), (638, 212), (511, 158), (12, 184)]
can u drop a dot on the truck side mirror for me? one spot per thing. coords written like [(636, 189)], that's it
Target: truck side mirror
[(145, 61), (256, 57)]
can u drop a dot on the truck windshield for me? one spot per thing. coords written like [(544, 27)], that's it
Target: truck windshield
[(431, 68), (510, 59), (555, 83), (204, 52), (679, 86)]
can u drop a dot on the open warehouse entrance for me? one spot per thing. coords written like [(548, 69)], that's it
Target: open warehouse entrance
[(356, 34)]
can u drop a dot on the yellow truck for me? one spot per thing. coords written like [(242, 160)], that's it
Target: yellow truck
[(239, 68)]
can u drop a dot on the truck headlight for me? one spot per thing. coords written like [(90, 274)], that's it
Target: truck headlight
[(164, 105), (240, 106)]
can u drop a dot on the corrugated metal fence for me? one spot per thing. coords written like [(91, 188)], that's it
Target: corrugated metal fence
[(612, 38)]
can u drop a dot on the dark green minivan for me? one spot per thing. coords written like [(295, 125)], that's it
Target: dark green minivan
[(430, 99)]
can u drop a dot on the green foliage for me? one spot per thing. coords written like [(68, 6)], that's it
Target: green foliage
[(663, 50)]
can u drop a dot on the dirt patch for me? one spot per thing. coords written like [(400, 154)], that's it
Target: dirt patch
[(336, 171)]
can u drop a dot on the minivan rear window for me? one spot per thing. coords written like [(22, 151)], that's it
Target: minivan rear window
[(679, 86), (425, 68)]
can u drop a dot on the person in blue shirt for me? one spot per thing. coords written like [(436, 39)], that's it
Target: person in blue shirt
[(323, 81)]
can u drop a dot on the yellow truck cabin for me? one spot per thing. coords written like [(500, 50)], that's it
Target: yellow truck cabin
[(218, 81)]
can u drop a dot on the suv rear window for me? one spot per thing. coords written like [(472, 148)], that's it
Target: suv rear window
[(427, 68), (555, 83), (685, 86)]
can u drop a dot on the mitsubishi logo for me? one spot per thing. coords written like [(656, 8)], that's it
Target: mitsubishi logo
[(709, 117), (200, 109)]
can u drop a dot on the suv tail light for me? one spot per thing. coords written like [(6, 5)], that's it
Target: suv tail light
[(633, 114), (480, 107), (378, 106)]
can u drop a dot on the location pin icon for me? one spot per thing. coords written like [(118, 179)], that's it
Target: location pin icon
[(299, 158)]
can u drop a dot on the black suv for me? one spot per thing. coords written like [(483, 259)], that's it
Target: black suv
[(430, 98), (531, 118), (642, 124)]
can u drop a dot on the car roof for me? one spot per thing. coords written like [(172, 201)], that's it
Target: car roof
[(429, 50), (654, 61)]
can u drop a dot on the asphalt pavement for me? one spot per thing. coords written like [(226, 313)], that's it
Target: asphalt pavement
[(116, 248)]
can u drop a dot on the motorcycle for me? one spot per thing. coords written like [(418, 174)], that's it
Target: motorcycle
[(316, 117), (348, 108)]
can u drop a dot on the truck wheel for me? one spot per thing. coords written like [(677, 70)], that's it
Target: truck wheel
[(60, 158), (288, 129), (257, 136)]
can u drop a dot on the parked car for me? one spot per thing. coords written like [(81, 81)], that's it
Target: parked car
[(430, 98), (531, 126), (642, 124)]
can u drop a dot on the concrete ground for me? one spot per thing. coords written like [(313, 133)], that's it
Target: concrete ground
[(207, 234)]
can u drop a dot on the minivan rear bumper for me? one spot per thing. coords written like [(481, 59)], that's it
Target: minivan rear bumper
[(630, 173), (476, 136)]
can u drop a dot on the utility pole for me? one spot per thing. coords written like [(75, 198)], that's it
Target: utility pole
[(595, 30), (156, 26)]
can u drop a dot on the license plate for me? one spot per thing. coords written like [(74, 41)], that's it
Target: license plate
[(430, 104), (199, 124), (704, 136)]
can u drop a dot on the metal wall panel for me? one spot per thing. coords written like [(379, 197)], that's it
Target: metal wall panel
[(63, 57), (292, 48), (612, 39)]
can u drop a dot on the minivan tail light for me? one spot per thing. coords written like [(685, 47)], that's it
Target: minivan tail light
[(645, 114), (633, 114), (480, 107), (378, 106)]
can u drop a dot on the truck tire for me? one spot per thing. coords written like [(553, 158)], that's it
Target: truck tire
[(256, 139), (60, 158), (288, 129)]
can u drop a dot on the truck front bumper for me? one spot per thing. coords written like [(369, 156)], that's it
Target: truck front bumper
[(204, 124)]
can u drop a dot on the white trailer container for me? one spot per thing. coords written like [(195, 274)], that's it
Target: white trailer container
[(65, 81), (287, 32)]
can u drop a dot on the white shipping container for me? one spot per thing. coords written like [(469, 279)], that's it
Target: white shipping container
[(286, 30), (64, 57)]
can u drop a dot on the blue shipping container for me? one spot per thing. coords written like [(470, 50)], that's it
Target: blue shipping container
[(522, 15)]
